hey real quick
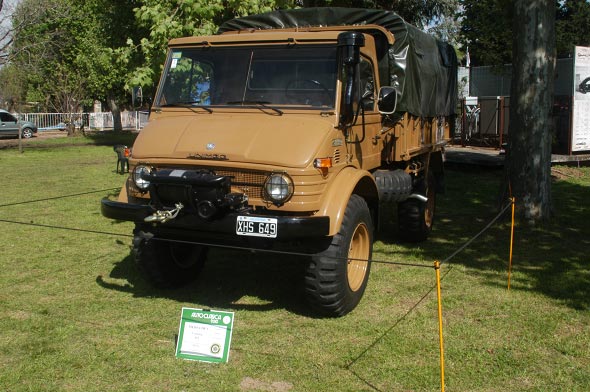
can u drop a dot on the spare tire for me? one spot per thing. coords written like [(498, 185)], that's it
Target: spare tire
[(393, 185)]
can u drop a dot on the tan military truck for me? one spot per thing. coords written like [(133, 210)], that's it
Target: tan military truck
[(289, 131)]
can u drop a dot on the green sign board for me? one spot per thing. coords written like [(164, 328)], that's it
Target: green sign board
[(204, 335)]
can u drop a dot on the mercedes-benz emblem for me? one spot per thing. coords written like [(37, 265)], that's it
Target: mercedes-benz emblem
[(210, 146)]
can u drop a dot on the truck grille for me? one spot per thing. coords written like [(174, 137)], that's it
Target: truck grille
[(249, 182)]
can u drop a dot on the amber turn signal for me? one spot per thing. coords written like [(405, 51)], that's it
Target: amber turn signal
[(322, 163)]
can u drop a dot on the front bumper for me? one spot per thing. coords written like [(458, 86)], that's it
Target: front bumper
[(222, 230)]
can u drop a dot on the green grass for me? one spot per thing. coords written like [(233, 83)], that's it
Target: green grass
[(75, 314)]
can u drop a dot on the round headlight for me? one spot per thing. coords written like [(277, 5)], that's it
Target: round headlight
[(138, 179), (278, 188)]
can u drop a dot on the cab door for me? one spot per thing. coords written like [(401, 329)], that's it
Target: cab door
[(8, 124), (364, 135)]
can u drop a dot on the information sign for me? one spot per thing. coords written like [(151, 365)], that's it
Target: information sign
[(204, 335), (581, 116)]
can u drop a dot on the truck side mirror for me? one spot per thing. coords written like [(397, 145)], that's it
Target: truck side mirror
[(349, 44), (387, 100)]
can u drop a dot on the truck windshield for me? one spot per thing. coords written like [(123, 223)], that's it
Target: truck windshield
[(276, 76)]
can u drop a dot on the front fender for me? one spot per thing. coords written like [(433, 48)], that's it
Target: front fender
[(348, 181)]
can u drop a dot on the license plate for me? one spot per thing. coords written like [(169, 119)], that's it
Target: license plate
[(256, 226)]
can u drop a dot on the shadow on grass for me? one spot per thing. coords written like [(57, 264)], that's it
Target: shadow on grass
[(551, 259), (230, 280), (111, 138)]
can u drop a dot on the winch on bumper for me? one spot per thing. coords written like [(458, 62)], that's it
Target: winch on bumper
[(198, 206)]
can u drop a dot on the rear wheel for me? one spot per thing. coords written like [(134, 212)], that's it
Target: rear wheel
[(416, 217), (168, 264), (337, 277)]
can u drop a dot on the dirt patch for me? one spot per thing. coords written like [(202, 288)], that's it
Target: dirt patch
[(13, 142), (252, 384), (566, 172)]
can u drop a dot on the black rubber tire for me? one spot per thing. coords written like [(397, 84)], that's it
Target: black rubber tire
[(334, 284), (27, 133), (168, 264), (393, 185), (415, 218)]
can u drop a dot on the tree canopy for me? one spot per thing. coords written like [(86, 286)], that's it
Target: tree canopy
[(66, 53), (487, 28)]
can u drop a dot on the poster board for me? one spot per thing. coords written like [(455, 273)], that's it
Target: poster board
[(204, 335), (581, 94)]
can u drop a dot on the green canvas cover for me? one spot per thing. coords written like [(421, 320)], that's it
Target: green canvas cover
[(422, 68)]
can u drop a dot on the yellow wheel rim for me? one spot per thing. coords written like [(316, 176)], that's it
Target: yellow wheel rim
[(358, 254)]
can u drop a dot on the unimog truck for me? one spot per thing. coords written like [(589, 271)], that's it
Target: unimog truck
[(290, 131)]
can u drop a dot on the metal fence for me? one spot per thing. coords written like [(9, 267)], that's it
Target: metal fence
[(134, 120)]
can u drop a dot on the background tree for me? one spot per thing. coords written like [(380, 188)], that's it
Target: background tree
[(13, 80), (41, 56), (572, 26), (7, 29), (74, 54), (167, 19), (102, 54), (487, 28), (420, 13), (528, 162), (76, 51)]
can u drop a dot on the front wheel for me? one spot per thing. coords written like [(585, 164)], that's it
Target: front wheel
[(168, 264), (27, 133), (336, 278)]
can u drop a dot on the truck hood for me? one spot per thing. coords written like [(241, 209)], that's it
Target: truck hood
[(288, 140)]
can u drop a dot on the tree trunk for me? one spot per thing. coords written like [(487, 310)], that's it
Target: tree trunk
[(117, 124), (528, 162)]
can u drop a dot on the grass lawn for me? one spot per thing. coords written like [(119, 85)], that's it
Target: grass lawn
[(76, 315)]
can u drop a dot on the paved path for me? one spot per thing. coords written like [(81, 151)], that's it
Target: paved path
[(474, 156), (482, 156)]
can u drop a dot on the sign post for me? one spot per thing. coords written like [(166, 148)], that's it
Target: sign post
[(204, 335), (20, 139)]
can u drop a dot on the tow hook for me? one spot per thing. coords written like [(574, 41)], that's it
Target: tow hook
[(162, 216)]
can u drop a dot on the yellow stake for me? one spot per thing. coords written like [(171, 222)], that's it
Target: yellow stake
[(511, 242), (440, 326)]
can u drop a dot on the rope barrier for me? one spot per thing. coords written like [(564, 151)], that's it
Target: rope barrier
[(65, 228), (407, 264), (59, 197), (464, 246)]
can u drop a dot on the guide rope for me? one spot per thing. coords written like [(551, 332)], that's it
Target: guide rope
[(58, 197), (245, 248)]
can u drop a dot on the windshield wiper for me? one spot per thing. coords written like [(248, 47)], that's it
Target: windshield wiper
[(262, 104), (188, 104)]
